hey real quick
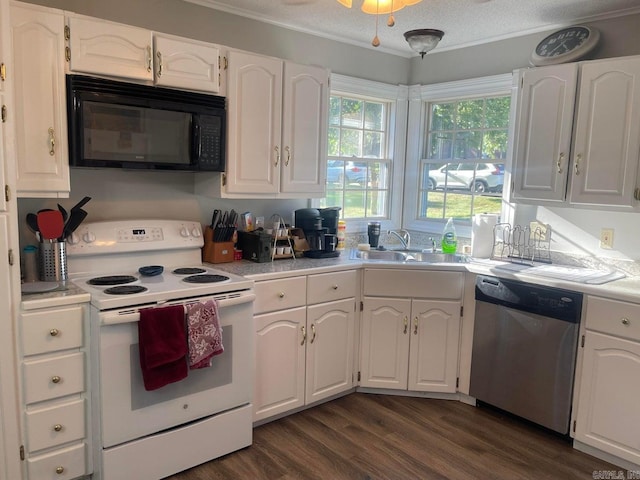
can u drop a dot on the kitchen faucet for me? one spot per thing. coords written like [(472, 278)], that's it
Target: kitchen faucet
[(402, 235), (433, 244)]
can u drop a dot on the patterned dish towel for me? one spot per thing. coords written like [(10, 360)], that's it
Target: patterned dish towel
[(205, 333)]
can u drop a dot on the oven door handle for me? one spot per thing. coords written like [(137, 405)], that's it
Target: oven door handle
[(130, 317)]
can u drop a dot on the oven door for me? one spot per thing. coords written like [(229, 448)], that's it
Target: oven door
[(128, 411)]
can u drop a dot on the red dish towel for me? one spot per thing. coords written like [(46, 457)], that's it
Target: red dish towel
[(163, 346), (205, 333)]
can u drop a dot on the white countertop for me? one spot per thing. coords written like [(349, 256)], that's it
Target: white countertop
[(66, 294), (626, 289)]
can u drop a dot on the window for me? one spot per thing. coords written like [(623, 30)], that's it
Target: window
[(362, 172), (457, 150), (462, 169)]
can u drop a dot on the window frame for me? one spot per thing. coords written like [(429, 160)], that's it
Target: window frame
[(420, 96), (397, 98)]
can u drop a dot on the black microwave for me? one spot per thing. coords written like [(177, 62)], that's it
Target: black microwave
[(123, 125)]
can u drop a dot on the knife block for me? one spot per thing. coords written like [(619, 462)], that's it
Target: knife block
[(216, 252)]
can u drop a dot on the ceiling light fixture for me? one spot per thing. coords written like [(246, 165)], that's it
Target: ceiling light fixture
[(381, 7), (423, 40)]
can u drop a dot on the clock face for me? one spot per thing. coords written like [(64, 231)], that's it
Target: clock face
[(565, 45)]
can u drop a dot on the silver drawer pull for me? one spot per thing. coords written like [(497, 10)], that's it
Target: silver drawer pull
[(625, 321), (57, 427), (59, 470), (281, 294), (335, 287), (56, 379), (54, 332)]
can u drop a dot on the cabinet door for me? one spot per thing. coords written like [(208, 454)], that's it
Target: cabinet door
[(304, 129), (108, 48), (184, 63), (385, 343), (606, 134), (40, 108), (330, 331), (543, 132), (433, 350), (280, 362), (254, 107), (609, 391)]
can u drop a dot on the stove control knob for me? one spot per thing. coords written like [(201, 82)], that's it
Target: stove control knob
[(195, 232), (73, 239), (184, 232), (89, 237)]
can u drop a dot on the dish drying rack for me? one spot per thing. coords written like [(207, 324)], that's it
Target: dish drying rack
[(518, 244)]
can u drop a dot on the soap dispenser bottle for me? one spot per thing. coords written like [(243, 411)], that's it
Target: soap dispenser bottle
[(449, 238)]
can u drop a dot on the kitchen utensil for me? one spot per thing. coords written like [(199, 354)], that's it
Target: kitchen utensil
[(32, 222), (80, 204), (74, 222), (50, 224), (64, 213)]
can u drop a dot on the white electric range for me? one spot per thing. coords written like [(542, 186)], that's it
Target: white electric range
[(148, 435)]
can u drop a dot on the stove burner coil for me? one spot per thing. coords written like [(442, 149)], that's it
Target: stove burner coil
[(207, 278), (112, 280), (125, 290), (188, 271)]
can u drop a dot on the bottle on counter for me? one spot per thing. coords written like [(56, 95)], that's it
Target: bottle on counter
[(342, 235), (449, 238)]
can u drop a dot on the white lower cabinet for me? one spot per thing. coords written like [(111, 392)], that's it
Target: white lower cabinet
[(411, 343), (55, 398), (608, 407), (303, 353)]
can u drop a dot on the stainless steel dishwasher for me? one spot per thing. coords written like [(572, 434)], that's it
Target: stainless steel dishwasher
[(524, 349)]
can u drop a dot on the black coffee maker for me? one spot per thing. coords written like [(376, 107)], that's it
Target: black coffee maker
[(310, 221)]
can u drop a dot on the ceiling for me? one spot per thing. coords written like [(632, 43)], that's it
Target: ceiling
[(465, 22)]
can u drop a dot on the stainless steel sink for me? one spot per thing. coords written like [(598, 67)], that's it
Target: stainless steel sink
[(406, 256)]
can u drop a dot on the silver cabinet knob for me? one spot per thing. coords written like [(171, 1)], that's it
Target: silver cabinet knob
[(335, 287), (57, 427), (54, 332), (59, 470), (625, 321), (281, 294), (56, 379)]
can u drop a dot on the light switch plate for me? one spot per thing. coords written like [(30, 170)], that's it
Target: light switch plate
[(606, 238)]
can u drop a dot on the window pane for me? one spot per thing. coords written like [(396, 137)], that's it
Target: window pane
[(335, 174), (354, 202), (442, 115), (333, 198), (497, 112), (376, 204), (468, 145), (495, 144), (458, 206), (373, 144), (352, 113), (334, 141), (351, 143), (356, 175), (470, 114), (334, 111), (373, 116), (440, 146), (379, 175)]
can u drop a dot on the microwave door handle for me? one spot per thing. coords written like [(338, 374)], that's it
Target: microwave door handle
[(196, 139)]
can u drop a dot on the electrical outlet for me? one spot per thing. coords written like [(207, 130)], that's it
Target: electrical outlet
[(606, 238)]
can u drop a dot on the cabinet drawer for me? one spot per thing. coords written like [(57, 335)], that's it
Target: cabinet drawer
[(413, 283), (327, 287), (613, 317), (53, 426), (280, 294), (51, 330), (63, 464), (53, 377)]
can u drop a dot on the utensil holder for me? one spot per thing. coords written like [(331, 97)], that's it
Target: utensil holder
[(53, 261)]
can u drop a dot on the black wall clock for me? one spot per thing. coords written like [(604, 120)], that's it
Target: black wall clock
[(565, 45)]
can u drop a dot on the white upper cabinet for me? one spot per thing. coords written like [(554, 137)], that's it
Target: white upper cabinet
[(277, 128), (543, 135), (187, 64), (606, 141), (106, 48), (592, 144), (42, 162)]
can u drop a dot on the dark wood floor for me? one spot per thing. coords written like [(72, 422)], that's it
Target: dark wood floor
[(364, 436)]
